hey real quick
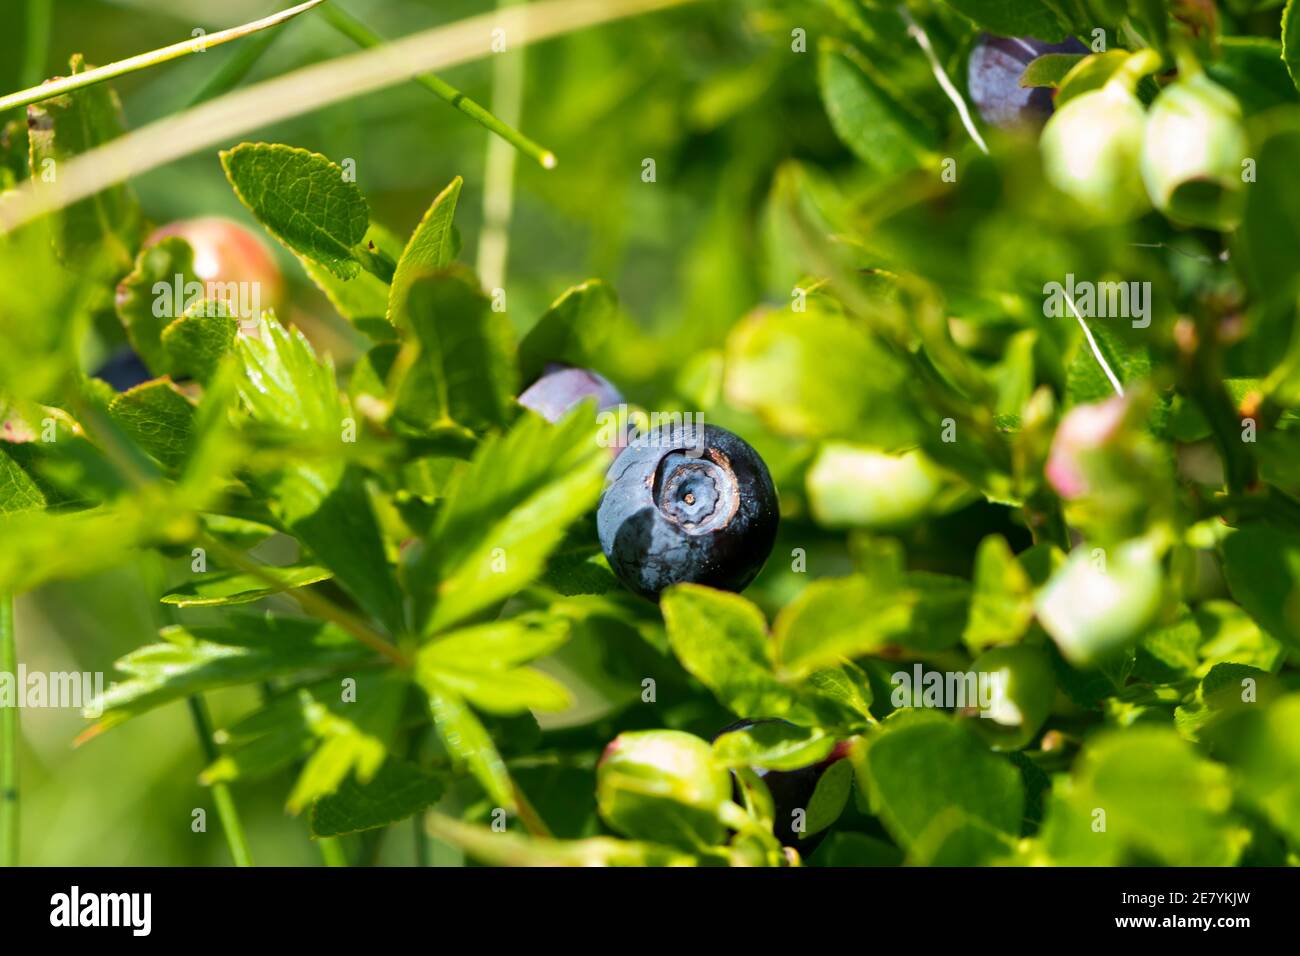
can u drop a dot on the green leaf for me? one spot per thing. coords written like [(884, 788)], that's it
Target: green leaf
[(829, 798), (1049, 69), (304, 200), (102, 232), (1271, 222), (468, 742), (773, 745), (1012, 18), (836, 618), (432, 247), (464, 372), (196, 343), (19, 491), (158, 418), (847, 685), (504, 514), (1252, 69), (1002, 606), (857, 849), (1291, 40), (499, 645), (1223, 690), (284, 385), (326, 504), (1152, 18), (572, 331), (279, 733), (721, 639), (238, 587), (1088, 74), (503, 692), (346, 746), (1262, 746), (1131, 362), (139, 302), (363, 299), (1229, 635), (868, 115), (245, 650), (399, 790), (1141, 795), (1262, 566), (923, 766)]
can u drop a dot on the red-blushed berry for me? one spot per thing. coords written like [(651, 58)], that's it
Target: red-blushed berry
[(225, 252)]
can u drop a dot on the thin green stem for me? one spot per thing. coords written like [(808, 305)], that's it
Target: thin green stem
[(143, 61), (36, 43), (221, 796), (499, 172), (364, 37), (8, 740), (311, 602), (331, 851), (423, 847)]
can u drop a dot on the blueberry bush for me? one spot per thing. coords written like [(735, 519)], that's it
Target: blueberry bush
[(882, 448)]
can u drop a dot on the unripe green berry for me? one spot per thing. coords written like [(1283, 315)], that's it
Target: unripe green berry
[(1192, 154), (1091, 148), (664, 786)]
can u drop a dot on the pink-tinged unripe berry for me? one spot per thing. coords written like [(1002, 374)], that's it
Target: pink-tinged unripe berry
[(225, 252), (1085, 428)]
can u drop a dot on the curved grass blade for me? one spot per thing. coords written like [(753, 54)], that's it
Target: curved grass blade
[(144, 60)]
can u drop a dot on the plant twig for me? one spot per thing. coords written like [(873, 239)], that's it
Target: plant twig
[(143, 61), (367, 39), (8, 740), (311, 602), (304, 90), (331, 851), (221, 796)]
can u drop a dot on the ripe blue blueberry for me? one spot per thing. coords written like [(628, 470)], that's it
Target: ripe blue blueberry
[(791, 790), (687, 503), (561, 387), (993, 78)]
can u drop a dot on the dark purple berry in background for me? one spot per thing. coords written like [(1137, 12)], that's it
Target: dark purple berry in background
[(124, 370), (561, 387), (791, 790), (993, 79), (687, 503)]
